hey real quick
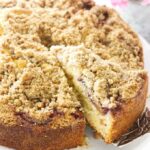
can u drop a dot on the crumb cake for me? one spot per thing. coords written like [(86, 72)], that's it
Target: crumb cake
[(61, 4), (38, 108), (113, 38), (108, 91), (58, 54)]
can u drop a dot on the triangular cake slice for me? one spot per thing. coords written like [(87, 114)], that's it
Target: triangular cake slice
[(112, 98), (38, 108)]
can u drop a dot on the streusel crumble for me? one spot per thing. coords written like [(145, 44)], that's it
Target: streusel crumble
[(36, 85), (61, 4), (99, 28), (105, 83)]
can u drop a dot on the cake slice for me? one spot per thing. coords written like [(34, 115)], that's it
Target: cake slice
[(112, 98), (38, 107)]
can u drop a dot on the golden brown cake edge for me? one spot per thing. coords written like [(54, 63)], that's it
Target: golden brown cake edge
[(37, 137), (124, 119)]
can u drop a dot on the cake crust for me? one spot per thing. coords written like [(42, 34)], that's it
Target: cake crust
[(124, 119), (29, 136)]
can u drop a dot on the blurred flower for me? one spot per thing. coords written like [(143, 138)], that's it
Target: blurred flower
[(146, 2), (121, 3)]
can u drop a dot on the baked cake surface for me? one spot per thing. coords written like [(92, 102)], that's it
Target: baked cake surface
[(51, 52), (70, 22), (36, 98), (61, 4)]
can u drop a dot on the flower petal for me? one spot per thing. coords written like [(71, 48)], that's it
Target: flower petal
[(145, 2), (121, 3)]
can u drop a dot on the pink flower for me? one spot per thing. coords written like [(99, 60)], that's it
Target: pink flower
[(145, 2), (121, 3)]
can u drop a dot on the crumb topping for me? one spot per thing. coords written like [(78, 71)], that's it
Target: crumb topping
[(99, 29), (109, 65), (104, 82), (7, 3), (35, 84), (61, 4)]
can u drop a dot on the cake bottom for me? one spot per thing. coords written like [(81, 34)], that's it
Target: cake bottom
[(42, 137)]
